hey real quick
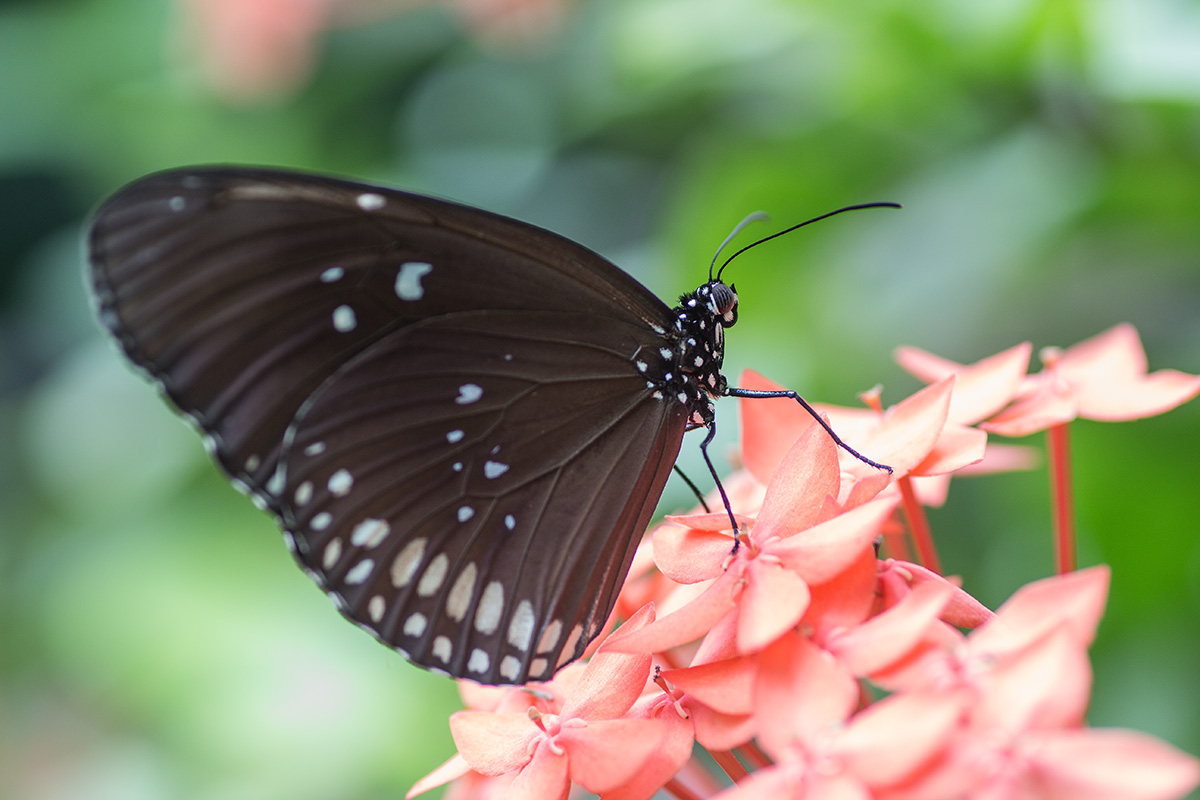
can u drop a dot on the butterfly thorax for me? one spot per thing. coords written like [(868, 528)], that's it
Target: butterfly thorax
[(690, 370)]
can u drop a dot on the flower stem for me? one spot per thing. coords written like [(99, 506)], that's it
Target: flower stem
[(754, 754), (918, 525), (675, 787), (727, 761), (1059, 450)]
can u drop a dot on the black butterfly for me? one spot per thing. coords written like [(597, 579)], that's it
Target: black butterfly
[(462, 422)]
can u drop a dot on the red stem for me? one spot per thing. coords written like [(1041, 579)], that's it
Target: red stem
[(675, 787), (918, 525), (727, 761), (1059, 447), (755, 755)]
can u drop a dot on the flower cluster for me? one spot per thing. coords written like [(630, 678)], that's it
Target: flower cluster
[(816, 658)]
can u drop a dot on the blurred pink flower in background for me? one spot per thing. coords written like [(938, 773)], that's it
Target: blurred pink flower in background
[(252, 51)]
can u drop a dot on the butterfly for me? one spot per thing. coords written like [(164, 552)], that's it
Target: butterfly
[(462, 423)]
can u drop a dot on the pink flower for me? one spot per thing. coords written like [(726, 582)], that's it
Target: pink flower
[(591, 740), (822, 749), (1103, 378)]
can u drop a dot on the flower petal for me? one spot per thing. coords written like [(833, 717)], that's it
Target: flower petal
[(1050, 404), (887, 637), (774, 601), (686, 624), (1111, 764), (543, 778), (672, 752), (899, 577), (612, 680), (453, 768), (981, 389), (608, 753), (893, 738), (1076, 600), (726, 686), (1116, 351), (808, 473), (492, 744), (765, 784), (769, 426), (956, 448), (845, 601), (801, 692), (688, 554), (1045, 685), (820, 553), (911, 428), (1156, 393), (717, 731)]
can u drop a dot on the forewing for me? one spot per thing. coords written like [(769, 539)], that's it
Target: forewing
[(470, 489), (242, 291)]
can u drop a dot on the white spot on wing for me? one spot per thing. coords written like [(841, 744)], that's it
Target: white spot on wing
[(304, 493), (278, 480), (538, 667), (375, 608), (465, 513), (360, 571), (408, 279), (478, 662), (434, 574), (370, 532), (510, 521), (177, 203), (494, 469), (568, 651), (443, 649), (344, 319), (252, 463), (405, 565), (369, 201), (315, 449), (550, 637), (490, 609), (340, 483), (455, 436), (520, 629), (510, 667), (468, 393), (460, 594), (415, 624), (332, 275), (333, 551), (321, 521)]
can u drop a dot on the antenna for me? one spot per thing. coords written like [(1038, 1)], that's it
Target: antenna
[(752, 217), (787, 230)]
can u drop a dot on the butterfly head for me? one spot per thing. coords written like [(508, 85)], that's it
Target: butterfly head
[(721, 301)]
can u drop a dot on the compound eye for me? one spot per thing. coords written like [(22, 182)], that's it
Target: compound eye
[(723, 298), (723, 301)]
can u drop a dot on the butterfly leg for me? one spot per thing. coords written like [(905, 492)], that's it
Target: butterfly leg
[(695, 489), (733, 391), (712, 431)]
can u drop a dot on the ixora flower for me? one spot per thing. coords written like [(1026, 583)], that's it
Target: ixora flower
[(811, 656), (253, 50), (591, 739)]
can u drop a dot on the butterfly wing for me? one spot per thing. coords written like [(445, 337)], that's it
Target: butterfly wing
[(262, 302), (471, 489), (240, 290)]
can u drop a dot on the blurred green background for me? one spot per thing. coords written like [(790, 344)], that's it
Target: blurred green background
[(156, 640)]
